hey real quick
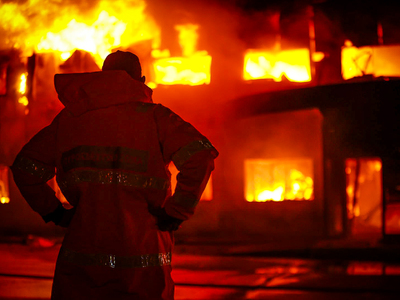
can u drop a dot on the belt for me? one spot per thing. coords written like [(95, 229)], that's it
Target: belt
[(114, 261)]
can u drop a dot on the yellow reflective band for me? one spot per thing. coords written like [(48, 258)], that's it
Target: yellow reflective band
[(114, 261), (187, 151), (34, 168), (114, 177)]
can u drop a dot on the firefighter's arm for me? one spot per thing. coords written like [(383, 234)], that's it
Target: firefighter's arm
[(33, 167), (193, 156)]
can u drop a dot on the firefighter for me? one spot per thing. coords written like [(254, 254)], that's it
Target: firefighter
[(110, 148)]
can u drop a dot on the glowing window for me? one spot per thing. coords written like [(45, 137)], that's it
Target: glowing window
[(370, 60), (293, 64), (208, 192), (278, 180), (4, 191)]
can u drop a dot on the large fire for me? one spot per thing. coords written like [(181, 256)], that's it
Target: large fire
[(278, 180), (293, 64), (99, 38), (35, 27)]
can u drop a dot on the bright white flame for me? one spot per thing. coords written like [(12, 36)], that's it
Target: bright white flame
[(99, 38), (22, 84), (23, 100), (4, 200)]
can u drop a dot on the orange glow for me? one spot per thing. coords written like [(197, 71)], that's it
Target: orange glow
[(107, 26), (22, 90), (23, 100), (379, 61), (278, 180), (4, 192), (55, 26), (365, 268), (208, 192), (53, 183), (193, 68), (363, 190), (99, 38), (22, 84), (293, 64)]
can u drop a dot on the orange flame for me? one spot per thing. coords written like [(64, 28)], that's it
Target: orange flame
[(267, 180), (378, 61), (22, 90), (98, 39), (53, 27), (293, 64), (32, 26), (4, 193), (369, 173), (191, 69)]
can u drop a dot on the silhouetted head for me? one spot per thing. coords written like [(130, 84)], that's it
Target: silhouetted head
[(126, 61)]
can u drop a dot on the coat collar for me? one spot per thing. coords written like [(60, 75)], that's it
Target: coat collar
[(82, 92)]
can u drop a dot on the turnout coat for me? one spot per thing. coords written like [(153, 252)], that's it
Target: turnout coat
[(110, 148)]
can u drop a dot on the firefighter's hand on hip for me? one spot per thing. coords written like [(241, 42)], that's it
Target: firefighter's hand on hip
[(164, 221)]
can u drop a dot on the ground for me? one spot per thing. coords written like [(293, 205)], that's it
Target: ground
[(26, 271)]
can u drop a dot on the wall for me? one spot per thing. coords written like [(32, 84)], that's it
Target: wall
[(269, 136)]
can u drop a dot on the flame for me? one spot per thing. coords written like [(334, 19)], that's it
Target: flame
[(4, 200), (4, 193), (378, 61), (293, 64), (363, 186), (276, 181), (34, 26), (22, 90), (22, 84), (191, 69), (99, 38), (56, 27)]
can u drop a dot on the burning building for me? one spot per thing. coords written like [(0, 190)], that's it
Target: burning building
[(297, 97)]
